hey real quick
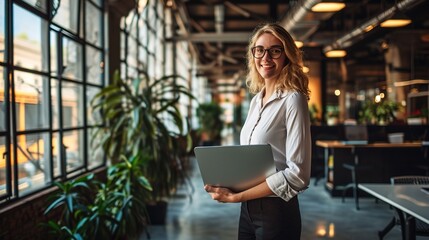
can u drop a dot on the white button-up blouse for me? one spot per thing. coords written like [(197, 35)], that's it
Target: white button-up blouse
[(284, 123)]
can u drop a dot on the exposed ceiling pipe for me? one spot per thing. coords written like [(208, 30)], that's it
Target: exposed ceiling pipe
[(297, 13), (237, 9), (349, 38), (219, 13)]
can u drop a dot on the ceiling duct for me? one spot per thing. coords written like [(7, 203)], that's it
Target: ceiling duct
[(351, 37), (297, 13), (219, 13)]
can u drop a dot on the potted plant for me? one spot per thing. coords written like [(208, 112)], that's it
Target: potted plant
[(90, 209), (144, 119), (381, 113), (211, 124)]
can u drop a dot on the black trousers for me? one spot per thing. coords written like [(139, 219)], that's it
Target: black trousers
[(270, 218)]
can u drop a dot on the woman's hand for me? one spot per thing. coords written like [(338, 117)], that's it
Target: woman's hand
[(222, 194)]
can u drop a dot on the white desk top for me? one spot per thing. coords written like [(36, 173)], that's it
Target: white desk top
[(408, 198)]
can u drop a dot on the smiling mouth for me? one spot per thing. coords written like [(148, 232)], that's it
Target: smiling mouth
[(267, 66)]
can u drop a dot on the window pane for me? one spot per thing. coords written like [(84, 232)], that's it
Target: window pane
[(72, 104), (2, 106), (33, 163), (39, 4), (32, 94), (98, 2), (2, 116), (151, 66), (72, 59), (29, 43), (132, 52), (123, 39), (94, 117), (96, 154), (142, 58), (93, 24), (67, 15), (2, 27), (55, 104), (2, 166), (73, 141), (56, 142), (54, 53), (94, 66)]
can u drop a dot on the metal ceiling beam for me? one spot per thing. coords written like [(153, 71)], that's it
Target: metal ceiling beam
[(232, 37), (297, 14), (358, 33)]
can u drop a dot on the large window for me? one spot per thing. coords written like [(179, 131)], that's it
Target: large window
[(51, 66), (144, 48)]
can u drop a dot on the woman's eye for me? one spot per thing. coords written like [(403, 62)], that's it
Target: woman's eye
[(275, 50)]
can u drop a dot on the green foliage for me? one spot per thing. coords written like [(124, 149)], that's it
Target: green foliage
[(314, 111), (382, 112), (209, 117), (141, 137), (93, 210), (144, 119)]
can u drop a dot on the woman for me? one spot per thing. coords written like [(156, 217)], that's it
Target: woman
[(278, 115)]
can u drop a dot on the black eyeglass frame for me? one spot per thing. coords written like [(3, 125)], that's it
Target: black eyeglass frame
[(265, 51)]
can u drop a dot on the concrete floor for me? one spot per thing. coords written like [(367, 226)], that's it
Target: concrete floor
[(195, 216)]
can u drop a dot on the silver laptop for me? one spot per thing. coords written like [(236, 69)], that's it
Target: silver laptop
[(236, 167)]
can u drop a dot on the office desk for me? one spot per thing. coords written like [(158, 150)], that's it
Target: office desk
[(384, 158), (410, 199)]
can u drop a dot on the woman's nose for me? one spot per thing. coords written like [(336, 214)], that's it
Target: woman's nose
[(267, 55)]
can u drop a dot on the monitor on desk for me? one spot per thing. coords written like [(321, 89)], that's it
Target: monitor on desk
[(355, 134)]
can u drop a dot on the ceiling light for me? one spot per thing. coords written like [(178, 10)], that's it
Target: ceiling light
[(299, 44), (390, 23), (398, 20), (328, 7), (335, 53)]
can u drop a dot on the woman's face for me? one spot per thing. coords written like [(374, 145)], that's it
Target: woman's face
[(270, 65)]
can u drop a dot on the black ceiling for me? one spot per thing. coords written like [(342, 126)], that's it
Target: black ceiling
[(219, 30)]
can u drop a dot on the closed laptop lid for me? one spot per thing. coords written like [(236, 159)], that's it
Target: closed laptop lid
[(236, 167), (355, 134)]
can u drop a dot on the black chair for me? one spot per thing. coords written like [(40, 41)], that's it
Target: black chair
[(355, 170), (422, 229)]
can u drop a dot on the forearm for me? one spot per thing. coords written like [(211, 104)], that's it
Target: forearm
[(258, 191), (225, 195)]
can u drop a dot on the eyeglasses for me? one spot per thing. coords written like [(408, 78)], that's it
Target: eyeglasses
[(258, 52)]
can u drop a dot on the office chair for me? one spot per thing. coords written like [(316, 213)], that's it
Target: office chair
[(422, 229)]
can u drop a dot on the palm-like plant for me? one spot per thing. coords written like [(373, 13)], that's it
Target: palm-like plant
[(90, 209), (143, 117), (71, 202)]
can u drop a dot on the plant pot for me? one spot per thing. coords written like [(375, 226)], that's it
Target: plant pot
[(157, 213)]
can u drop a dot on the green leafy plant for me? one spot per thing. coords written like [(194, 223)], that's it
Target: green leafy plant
[(143, 118), (211, 124), (72, 202), (89, 209), (382, 112)]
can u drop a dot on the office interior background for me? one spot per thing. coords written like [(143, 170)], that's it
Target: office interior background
[(57, 55)]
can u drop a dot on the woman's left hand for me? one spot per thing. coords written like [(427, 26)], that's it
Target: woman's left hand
[(222, 194)]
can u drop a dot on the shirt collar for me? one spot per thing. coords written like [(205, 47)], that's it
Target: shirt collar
[(279, 94)]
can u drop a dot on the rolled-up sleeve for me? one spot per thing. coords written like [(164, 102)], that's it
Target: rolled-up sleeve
[(295, 178)]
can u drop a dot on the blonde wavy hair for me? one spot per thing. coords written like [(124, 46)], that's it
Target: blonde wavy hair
[(291, 77)]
